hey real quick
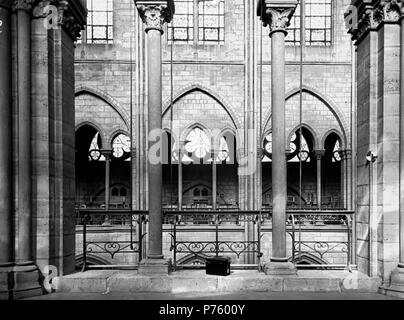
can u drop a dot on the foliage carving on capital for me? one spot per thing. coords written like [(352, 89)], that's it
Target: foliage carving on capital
[(154, 15), (364, 16), (278, 19)]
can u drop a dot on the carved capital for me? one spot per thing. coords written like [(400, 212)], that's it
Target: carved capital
[(155, 13), (22, 5), (68, 14), (369, 15), (319, 154), (277, 14)]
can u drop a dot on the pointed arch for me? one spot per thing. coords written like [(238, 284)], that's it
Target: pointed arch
[(95, 126), (314, 134), (197, 87), (82, 89), (328, 133), (339, 116)]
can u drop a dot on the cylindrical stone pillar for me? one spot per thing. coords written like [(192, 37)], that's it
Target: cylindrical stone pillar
[(155, 123), (24, 213), (5, 136), (348, 155), (179, 179), (319, 156), (279, 186), (401, 210), (214, 182), (277, 15)]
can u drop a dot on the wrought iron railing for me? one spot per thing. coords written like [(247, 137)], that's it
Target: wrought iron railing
[(212, 241), (135, 221), (204, 233), (326, 236)]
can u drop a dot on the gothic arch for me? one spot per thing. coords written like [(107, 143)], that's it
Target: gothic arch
[(94, 125), (327, 101), (313, 132), (115, 134), (196, 87), (326, 135), (191, 127), (82, 89)]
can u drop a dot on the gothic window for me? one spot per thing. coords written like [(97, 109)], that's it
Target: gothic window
[(183, 22), (211, 20), (268, 148), (299, 148), (206, 17), (99, 21), (197, 192), (121, 147), (205, 192), (198, 143), (115, 192), (318, 24), (94, 150), (336, 156), (123, 192), (223, 154)]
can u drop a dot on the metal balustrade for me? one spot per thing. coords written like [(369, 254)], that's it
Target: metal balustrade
[(197, 234)]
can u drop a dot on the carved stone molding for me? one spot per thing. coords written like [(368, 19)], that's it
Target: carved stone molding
[(369, 15), (22, 5), (155, 14), (69, 14), (277, 14)]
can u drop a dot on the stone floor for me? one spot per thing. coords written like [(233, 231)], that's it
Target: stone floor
[(240, 282), (244, 296)]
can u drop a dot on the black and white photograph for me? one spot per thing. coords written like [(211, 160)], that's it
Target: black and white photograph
[(197, 157)]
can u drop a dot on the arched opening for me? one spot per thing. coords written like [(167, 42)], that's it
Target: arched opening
[(89, 165), (301, 191), (331, 173)]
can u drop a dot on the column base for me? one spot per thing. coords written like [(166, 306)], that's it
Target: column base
[(6, 272), (280, 268), (150, 266), (26, 281), (396, 288)]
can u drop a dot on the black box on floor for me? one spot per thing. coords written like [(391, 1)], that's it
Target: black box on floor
[(218, 266)]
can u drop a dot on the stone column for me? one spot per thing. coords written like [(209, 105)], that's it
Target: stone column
[(277, 15), (214, 181), (24, 224), (107, 154), (5, 146), (348, 177), (343, 178), (397, 276), (319, 156), (154, 15), (180, 178)]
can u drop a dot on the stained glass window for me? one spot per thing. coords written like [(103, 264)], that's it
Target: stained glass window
[(100, 21), (198, 143), (121, 146), (318, 24)]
